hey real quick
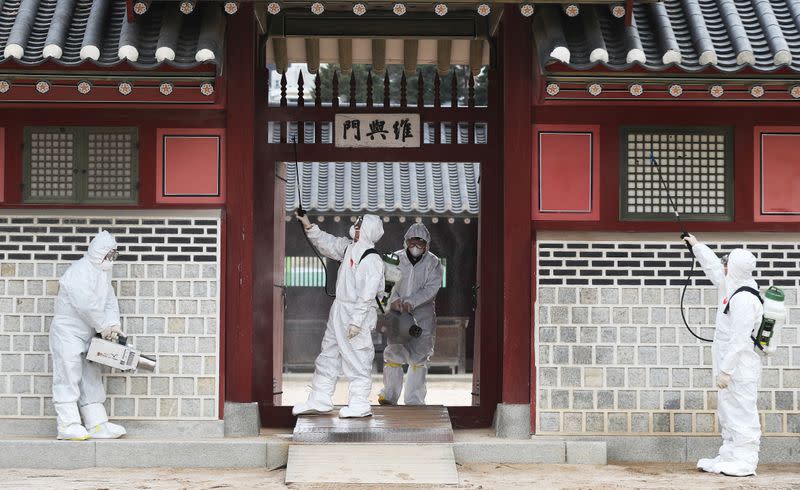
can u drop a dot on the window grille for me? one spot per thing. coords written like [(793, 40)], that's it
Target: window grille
[(81, 165), (695, 163)]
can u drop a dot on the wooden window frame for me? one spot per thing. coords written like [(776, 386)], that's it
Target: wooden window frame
[(80, 162), (727, 132)]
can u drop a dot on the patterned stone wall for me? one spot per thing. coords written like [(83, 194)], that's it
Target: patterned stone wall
[(613, 356), (167, 282)]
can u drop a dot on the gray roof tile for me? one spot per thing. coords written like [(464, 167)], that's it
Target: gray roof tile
[(445, 189), (692, 35), (70, 31)]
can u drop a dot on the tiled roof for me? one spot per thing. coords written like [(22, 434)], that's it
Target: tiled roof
[(72, 31), (449, 189), (694, 35)]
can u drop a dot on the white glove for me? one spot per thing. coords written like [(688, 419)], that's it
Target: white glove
[(353, 331), (690, 239), (723, 380), (303, 219), (111, 333)]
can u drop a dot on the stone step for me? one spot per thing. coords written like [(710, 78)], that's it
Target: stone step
[(270, 450)]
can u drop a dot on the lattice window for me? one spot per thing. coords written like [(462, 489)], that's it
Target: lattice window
[(110, 166), (695, 163), (81, 165), (51, 166)]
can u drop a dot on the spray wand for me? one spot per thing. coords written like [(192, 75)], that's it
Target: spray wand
[(301, 212), (684, 234)]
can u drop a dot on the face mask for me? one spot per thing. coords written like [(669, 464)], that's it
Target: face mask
[(415, 251)]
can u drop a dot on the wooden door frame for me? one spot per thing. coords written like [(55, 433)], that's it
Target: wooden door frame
[(265, 216)]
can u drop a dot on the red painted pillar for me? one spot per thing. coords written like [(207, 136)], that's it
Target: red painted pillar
[(240, 68), (516, 55)]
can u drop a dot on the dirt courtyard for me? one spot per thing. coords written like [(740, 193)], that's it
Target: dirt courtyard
[(478, 476)]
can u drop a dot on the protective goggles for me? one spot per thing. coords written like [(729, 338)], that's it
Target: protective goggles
[(112, 255), (358, 223), (724, 260), (419, 242)]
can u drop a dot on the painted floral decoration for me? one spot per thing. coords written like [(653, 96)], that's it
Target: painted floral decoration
[(553, 89), (207, 88), (274, 8), (84, 87), (757, 91), (595, 89), (166, 88), (526, 9), (618, 11), (795, 92), (440, 9), (716, 91), (5, 86), (139, 8), (42, 86), (359, 9), (636, 89), (484, 9), (125, 88), (399, 9), (675, 90), (317, 8), (187, 7), (572, 10)]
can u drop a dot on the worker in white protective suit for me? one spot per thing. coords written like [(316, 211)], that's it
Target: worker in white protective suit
[(86, 305), (736, 365), (415, 295), (347, 344)]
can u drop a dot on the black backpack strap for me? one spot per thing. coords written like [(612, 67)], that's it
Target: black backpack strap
[(746, 289), (367, 252)]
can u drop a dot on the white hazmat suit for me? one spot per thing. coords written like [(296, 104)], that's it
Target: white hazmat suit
[(736, 365), (347, 344), (417, 289), (85, 306)]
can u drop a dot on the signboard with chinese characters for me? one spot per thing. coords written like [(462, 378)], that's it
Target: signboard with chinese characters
[(377, 130)]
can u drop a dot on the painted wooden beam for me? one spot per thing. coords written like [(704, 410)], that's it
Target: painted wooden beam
[(379, 56), (312, 54), (444, 51), (475, 56), (281, 54), (345, 55), (410, 53)]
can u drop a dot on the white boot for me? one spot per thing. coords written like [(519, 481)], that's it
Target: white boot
[(72, 432), (734, 468), (706, 464), (311, 407), (349, 412), (107, 430)]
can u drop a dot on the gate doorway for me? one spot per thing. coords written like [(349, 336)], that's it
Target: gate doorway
[(457, 148)]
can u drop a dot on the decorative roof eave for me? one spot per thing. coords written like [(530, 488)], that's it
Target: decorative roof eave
[(100, 69), (698, 90), (554, 67), (119, 89)]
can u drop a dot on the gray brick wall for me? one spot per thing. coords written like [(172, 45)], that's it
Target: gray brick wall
[(612, 353), (167, 282)]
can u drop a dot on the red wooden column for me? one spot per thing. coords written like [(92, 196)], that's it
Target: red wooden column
[(516, 55), (240, 68)]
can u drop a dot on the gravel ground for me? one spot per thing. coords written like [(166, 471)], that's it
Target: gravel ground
[(550, 476)]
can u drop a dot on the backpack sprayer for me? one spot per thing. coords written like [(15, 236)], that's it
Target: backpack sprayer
[(773, 301), (119, 355)]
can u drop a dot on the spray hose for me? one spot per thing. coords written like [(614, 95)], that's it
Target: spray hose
[(684, 234), (301, 212)]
